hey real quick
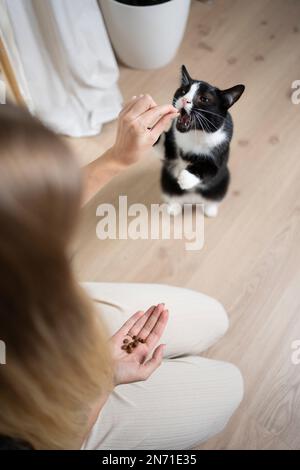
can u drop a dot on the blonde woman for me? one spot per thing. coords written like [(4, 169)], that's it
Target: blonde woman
[(69, 381)]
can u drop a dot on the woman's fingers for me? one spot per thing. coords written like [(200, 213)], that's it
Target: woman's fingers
[(151, 322), (139, 106), (139, 324), (153, 363), (158, 329), (161, 125), (128, 105), (134, 325), (153, 115), (130, 322)]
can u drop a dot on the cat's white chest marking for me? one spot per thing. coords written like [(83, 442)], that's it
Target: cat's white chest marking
[(199, 142)]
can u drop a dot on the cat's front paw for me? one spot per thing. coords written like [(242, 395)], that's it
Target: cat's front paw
[(211, 209), (187, 180)]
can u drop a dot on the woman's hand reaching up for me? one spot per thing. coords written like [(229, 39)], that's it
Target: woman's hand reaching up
[(139, 364), (140, 124)]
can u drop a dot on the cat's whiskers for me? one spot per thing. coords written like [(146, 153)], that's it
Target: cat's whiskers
[(207, 120), (194, 125), (210, 112), (201, 122)]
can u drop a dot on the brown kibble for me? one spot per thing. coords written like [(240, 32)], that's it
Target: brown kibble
[(134, 345), (124, 347), (129, 350), (134, 337), (141, 340), (125, 341)]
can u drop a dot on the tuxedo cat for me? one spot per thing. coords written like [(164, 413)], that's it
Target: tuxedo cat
[(197, 145)]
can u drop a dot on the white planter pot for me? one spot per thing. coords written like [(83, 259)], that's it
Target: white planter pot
[(145, 37)]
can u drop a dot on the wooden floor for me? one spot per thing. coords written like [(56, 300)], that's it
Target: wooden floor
[(251, 257)]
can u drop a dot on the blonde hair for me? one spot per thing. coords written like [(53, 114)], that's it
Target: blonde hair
[(57, 357)]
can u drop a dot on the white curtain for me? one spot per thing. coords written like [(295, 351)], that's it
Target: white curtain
[(63, 61)]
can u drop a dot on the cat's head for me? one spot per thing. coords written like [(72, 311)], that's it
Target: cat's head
[(201, 105)]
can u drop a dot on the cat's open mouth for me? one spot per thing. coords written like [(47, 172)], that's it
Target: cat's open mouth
[(184, 121)]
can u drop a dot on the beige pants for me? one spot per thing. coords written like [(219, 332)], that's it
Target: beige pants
[(189, 398)]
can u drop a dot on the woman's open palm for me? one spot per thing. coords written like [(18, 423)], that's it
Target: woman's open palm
[(139, 364)]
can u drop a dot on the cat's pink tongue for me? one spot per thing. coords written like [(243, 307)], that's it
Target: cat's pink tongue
[(185, 119)]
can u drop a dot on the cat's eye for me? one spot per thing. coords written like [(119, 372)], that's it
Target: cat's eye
[(203, 99)]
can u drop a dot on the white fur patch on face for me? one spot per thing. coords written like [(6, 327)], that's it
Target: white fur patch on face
[(189, 96), (199, 142), (187, 180)]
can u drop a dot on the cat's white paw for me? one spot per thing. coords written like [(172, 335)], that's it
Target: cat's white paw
[(174, 208), (211, 209), (187, 180)]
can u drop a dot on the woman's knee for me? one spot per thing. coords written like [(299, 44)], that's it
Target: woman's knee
[(221, 317), (198, 303), (224, 378), (231, 392), (220, 392), (234, 387), (214, 312)]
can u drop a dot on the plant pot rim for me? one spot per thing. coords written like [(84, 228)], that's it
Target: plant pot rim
[(135, 7)]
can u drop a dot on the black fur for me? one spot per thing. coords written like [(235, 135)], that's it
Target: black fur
[(208, 114)]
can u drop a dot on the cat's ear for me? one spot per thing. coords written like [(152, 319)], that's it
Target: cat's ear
[(231, 95), (185, 76)]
